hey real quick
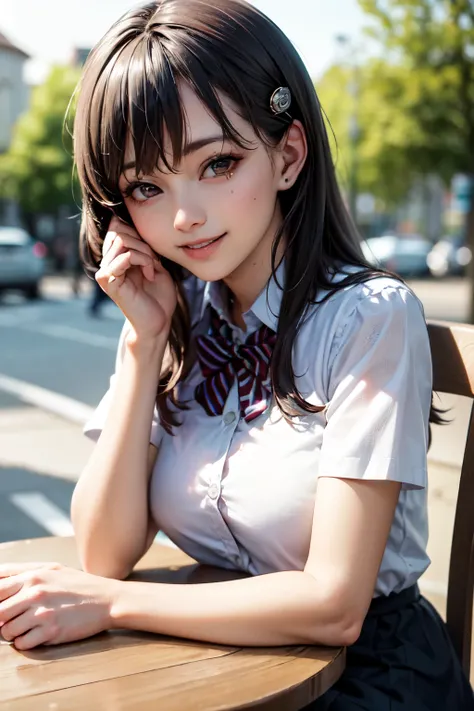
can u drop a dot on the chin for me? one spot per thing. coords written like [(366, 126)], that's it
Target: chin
[(210, 272)]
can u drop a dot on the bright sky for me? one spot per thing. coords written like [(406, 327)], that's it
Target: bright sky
[(49, 29)]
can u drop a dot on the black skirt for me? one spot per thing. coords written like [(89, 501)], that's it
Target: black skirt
[(403, 661)]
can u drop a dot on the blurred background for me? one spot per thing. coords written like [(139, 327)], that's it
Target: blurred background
[(397, 86)]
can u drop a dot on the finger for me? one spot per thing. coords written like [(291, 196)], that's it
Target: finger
[(109, 273), (10, 586), (106, 244), (121, 246), (18, 625), (121, 264), (33, 638), (149, 272), (11, 608), (116, 228), (114, 244), (119, 225), (9, 569)]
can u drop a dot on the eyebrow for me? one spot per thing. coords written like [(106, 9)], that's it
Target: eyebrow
[(188, 148)]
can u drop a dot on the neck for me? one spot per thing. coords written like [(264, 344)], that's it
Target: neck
[(250, 277)]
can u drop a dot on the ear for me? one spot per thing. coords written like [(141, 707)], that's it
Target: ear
[(292, 154)]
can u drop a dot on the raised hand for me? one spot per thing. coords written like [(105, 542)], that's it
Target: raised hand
[(135, 280)]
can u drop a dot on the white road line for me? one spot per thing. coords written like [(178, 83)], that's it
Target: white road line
[(44, 512), (69, 333), (47, 400), (14, 318)]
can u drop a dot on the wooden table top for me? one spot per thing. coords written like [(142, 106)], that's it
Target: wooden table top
[(134, 671)]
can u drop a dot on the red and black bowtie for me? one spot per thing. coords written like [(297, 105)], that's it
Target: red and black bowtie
[(222, 361)]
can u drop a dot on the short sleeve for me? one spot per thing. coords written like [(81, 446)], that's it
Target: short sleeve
[(95, 424), (380, 389)]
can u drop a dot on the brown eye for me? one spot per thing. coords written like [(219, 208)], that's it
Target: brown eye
[(220, 166), (142, 192)]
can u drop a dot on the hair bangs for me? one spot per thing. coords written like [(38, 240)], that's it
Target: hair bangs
[(153, 108), (136, 103)]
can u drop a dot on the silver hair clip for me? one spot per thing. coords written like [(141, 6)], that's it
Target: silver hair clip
[(280, 100)]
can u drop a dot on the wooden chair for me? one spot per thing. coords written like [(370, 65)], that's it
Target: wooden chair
[(452, 347)]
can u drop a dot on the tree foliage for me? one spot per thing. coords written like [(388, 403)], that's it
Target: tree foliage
[(37, 170), (433, 41), (384, 165), (415, 105)]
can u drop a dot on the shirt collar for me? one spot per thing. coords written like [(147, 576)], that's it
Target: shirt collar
[(266, 307)]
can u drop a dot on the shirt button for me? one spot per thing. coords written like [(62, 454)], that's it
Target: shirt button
[(229, 418), (213, 491)]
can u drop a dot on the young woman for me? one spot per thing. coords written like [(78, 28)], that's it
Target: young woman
[(271, 402)]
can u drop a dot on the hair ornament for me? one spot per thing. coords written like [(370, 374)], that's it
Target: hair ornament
[(280, 100)]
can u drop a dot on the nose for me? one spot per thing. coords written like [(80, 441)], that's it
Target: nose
[(189, 215)]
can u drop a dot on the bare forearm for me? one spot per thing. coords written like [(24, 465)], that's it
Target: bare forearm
[(109, 506), (278, 609)]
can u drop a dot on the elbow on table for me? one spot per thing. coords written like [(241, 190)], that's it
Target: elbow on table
[(348, 633), (341, 633), (114, 573), (340, 620), (110, 569)]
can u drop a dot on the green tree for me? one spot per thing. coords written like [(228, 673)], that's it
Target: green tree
[(433, 40), (38, 167), (384, 167)]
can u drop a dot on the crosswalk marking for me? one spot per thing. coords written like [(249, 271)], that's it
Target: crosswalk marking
[(69, 333), (50, 517), (44, 512), (47, 399)]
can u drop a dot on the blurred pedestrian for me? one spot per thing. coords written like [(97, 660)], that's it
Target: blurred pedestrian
[(77, 270), (98, 298)]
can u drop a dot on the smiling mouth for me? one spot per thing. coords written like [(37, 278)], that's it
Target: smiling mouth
[(201, 245)]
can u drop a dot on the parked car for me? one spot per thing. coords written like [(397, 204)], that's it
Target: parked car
[(449, 257), (405, 255), (22, 261)]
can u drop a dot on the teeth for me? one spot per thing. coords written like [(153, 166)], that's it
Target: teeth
[(200, 246)]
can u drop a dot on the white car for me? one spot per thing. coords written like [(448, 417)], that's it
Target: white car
[(22, 261), (405, 255)]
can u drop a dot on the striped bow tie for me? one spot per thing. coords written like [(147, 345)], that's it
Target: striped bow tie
[(222, 361)]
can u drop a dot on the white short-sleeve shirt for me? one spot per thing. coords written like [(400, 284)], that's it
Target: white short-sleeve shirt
[(241, 495)]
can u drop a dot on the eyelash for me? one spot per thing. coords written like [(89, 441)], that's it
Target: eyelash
[(130, 189)]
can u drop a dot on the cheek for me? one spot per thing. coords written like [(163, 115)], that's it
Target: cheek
[(149, 225), (253, 194)]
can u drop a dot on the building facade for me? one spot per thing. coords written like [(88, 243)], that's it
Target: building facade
[(13, 89), (14, 97)]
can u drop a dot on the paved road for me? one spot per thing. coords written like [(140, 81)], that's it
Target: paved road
[(446, 299), (54, 347)]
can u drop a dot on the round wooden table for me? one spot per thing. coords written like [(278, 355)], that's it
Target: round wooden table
[(134, 671)]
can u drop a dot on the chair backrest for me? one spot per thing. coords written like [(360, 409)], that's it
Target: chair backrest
[(452, 348)]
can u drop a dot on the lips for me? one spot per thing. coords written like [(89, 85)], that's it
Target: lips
[(203, 249), (202, 243)]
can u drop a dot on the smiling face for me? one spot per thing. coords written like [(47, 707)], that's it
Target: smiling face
[(219, 190)]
